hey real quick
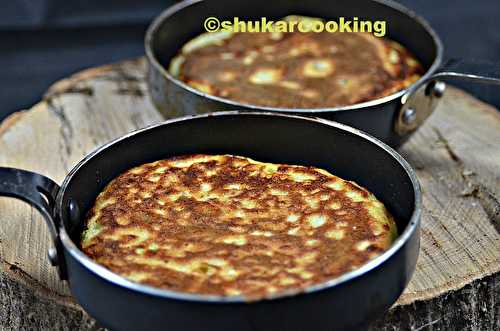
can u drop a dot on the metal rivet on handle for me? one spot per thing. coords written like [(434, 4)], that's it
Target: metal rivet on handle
[(73, 212), (409, 116), (52, 254), (438, 89)]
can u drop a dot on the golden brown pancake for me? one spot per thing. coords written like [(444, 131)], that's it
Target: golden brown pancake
[(228, 225), (295, 70)]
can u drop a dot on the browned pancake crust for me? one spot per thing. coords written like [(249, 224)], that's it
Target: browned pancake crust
[(310, 70), (227, 225)]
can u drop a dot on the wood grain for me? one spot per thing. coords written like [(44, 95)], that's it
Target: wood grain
[(456, 154)]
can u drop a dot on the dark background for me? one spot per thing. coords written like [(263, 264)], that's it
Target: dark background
[(45, 40)]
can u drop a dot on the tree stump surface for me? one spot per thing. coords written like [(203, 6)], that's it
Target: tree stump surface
[(456, 154)]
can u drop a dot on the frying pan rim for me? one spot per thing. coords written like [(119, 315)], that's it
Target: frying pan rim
[(151, 56), (118, 280)]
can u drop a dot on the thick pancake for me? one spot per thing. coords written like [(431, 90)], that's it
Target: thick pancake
[(228, 225), (295, 70)]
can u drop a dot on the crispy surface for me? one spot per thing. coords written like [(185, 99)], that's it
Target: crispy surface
[(228, 225), (295, 70)]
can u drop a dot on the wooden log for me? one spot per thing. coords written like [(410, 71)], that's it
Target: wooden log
[(456, 155)]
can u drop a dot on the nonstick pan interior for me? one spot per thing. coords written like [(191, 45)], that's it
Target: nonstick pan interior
[(270, 138)]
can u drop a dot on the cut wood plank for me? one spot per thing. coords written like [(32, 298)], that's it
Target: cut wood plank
[(456, 154)]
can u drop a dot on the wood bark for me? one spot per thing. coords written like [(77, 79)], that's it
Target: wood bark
[(456, 154)]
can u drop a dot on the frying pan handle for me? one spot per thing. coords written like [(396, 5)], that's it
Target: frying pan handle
[(421, 99), (40, 192), (481, 72)]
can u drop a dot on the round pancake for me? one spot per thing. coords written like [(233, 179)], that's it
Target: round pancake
[(229, 225), (295, 70)]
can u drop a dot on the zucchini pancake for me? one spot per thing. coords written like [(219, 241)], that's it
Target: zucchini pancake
[(294, 69), (228, 225)]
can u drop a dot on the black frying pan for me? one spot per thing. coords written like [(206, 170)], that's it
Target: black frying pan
[(392, 119), (347, 302)]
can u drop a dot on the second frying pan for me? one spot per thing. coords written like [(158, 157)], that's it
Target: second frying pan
[(392, 119)]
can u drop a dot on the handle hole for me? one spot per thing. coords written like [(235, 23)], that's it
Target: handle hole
[(429, 88), (47, 198)]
